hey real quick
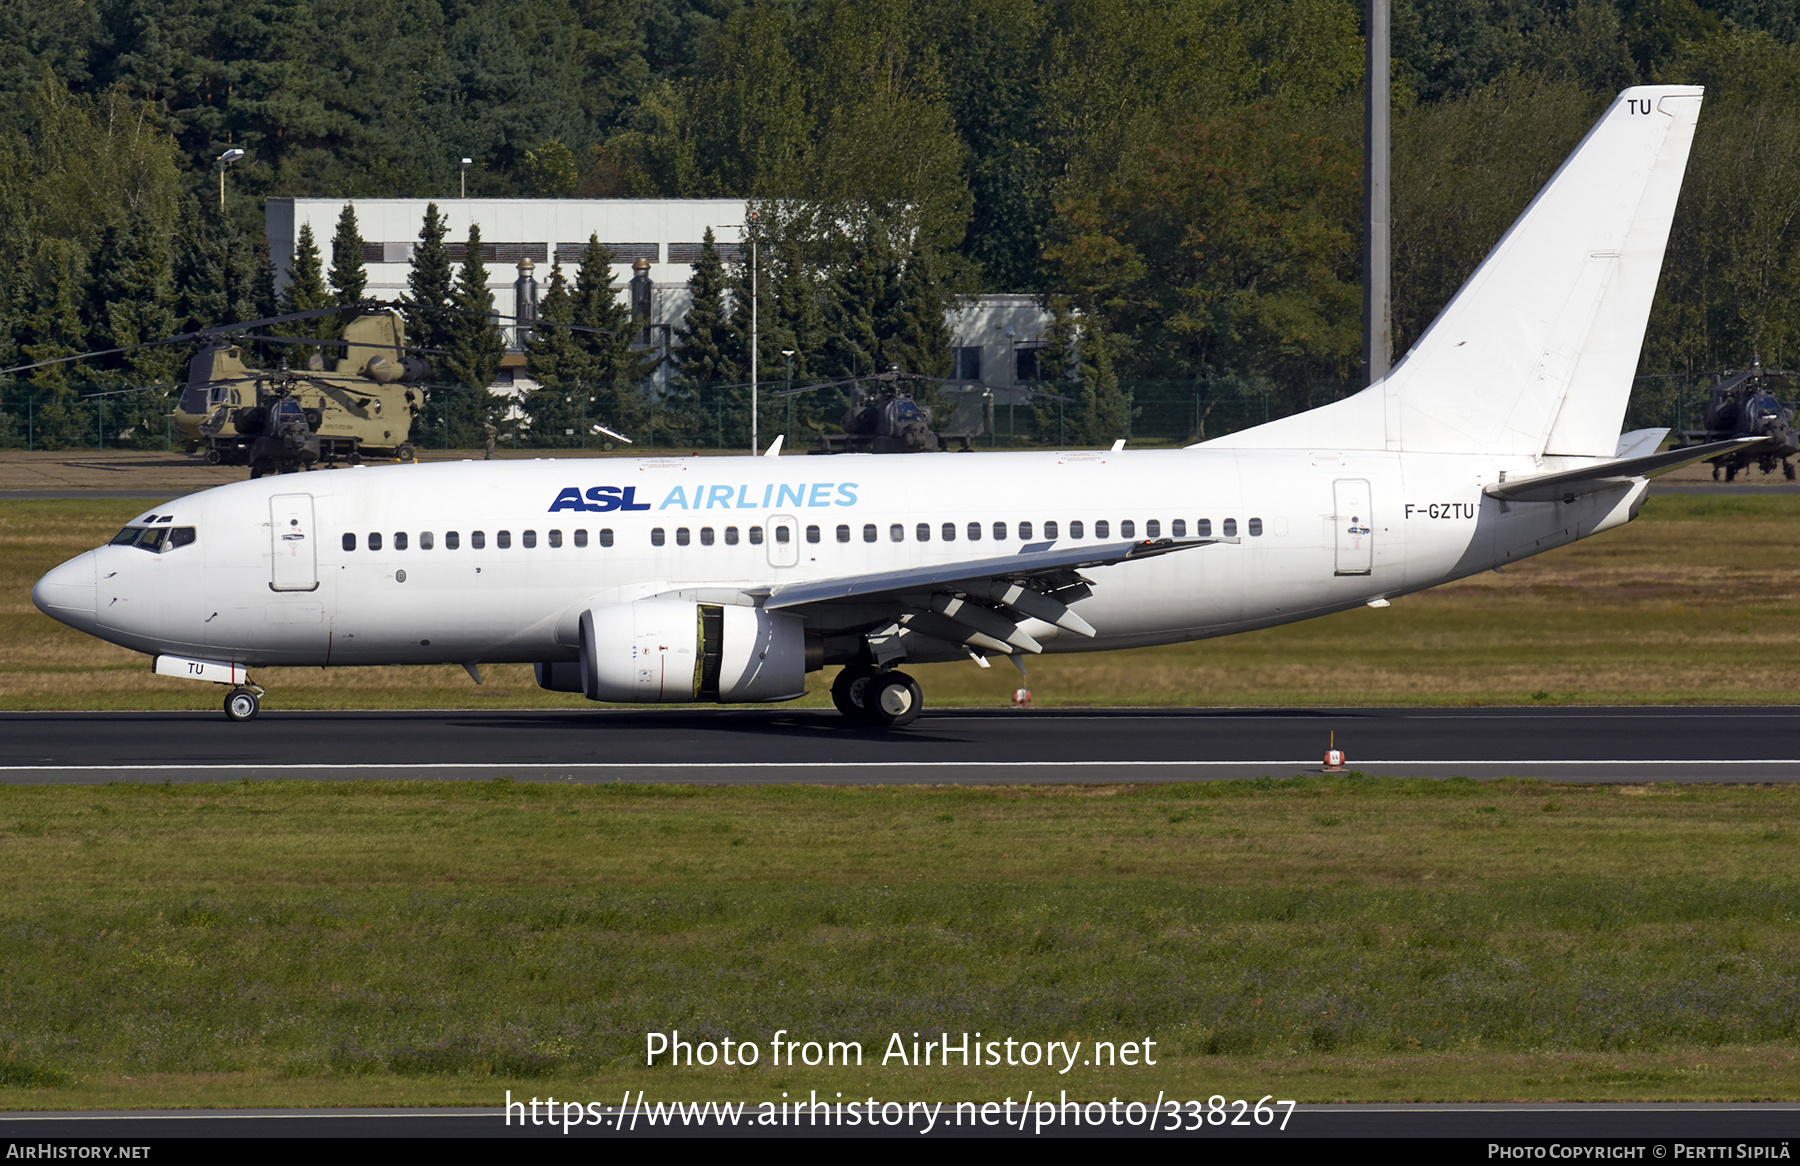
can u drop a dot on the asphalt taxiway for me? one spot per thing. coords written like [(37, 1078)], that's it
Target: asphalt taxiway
[(764, 745)]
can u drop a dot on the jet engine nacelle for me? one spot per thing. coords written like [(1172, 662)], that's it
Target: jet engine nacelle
[(674, 651)]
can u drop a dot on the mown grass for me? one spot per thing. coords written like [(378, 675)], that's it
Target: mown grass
[(1694, 603), (1315, 937)]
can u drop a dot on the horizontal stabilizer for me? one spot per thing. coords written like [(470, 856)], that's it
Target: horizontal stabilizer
[(1571, 484)]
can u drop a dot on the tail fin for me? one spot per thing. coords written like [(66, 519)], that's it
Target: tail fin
[(1535, 354)]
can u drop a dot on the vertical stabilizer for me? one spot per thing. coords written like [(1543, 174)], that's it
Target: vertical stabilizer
[(1535, 354)]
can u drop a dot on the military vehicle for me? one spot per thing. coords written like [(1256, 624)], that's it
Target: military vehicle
[(1743, 404), (339, 409), (883, 417)]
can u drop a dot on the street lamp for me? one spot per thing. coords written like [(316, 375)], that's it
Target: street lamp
[(466, 163), (226, 159), (789, 354)]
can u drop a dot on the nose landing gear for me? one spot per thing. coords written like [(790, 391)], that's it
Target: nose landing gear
[(870, 696), (242, 704)]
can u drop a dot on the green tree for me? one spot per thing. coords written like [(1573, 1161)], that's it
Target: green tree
[(348, 276), (429, 285), (704, 342), (305, 290), (133, 301), (476, 345), (562, 369)]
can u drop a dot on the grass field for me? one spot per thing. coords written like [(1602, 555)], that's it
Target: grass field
[(1696, 602), (1314, 938)]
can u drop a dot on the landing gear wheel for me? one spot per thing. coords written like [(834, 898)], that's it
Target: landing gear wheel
[(894, 699), (353, 458), (241, 705), (406, 453), (850, 688)]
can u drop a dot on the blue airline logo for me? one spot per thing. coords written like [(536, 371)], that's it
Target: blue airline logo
[(773, 496)]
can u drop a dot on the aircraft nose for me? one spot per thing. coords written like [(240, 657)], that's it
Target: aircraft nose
[(67, 593)]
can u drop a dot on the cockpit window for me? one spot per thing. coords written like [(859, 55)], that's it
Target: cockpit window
[(155, 539)]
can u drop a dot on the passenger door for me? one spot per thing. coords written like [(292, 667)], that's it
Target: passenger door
[(1355, 526), (295, 563)]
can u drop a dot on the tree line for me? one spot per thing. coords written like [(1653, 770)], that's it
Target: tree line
[(1179, 181)]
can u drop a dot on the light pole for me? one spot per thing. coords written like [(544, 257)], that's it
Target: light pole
[(226, 159), (466, 163), (789, 354)]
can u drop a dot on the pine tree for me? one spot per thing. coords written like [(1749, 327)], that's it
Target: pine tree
[(428, 284), (915, 333), (348, 277), (856, 296), (476, 345), (559, 366), (618, 402), (703, 340), (304, 292), (133, 300)]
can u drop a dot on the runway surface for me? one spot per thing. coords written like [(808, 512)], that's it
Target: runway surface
[(1727, 744), (1639, 1124)]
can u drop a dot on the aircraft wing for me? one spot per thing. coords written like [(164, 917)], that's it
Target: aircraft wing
[(980, 602), (1570, 484)]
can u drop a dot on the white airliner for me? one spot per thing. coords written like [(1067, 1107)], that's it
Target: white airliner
[(681, 579)]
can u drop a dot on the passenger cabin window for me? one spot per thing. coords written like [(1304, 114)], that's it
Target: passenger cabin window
[(426, 540), (843, 533), (528, 538), (1102, 528), (681, 536), (400, 540), (1025, 532), (1075, 529), (503, 539), (657, 537), (349, 542), (1203, 528), (580, 539), (1050, 529), (1230, 527), (1127, 529), (896, 533), (922, 532), (999, 532), (812, 534), (784, 534), (949, 532), (477, 539), (706, 536), (869, 532), (731, 536), (374, 540), (606, 536), (974, 532), (556, 538), (1178, 528), (1152, 529), (756, 536), (452, 540), (1256, 528)]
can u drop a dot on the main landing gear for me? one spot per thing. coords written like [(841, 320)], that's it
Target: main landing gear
[(871, 696)]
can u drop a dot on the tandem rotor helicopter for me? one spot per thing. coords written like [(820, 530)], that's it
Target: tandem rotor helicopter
[(360, 404), (1743, 404), (883, 417)]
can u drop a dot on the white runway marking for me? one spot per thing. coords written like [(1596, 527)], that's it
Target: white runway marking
[(850, 764)]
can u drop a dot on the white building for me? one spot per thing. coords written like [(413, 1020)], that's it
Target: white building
[(996, 337)]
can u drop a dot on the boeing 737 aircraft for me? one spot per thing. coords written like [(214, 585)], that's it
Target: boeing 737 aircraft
[(682, 579)]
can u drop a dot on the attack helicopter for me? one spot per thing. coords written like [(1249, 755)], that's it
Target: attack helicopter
[(1743, 404), (883, 417)]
